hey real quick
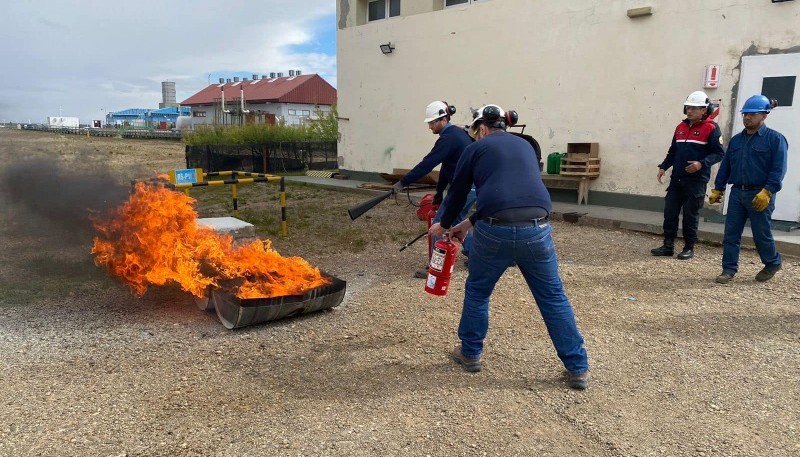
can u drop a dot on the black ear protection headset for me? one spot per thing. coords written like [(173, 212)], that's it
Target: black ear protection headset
[(449, 109), (491, 115), (710, 107)]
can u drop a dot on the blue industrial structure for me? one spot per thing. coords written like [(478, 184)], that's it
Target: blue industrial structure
[(149, 118)]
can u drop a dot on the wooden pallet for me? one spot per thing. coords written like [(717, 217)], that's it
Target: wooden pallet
[(580, 166)]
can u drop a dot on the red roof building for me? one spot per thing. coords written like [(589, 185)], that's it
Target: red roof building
[(294, 98)]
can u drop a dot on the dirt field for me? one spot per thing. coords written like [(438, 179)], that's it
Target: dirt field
[(680, 366)]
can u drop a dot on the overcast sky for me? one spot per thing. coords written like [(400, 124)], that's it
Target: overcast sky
[(85, 58)]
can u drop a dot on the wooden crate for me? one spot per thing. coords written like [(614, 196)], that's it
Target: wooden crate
[(583, 150), (580, 166)]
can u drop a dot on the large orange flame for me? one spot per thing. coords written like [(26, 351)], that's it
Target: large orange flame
[(153, 239)]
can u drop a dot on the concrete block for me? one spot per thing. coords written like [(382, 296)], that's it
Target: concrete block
[(240, 230)]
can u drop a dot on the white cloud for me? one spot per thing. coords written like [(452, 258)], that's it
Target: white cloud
[(89, 57)]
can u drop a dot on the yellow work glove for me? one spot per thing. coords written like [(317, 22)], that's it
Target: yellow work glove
[(716, 196), (761, 200)]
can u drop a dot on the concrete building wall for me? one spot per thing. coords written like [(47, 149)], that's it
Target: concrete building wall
[(577, 71)]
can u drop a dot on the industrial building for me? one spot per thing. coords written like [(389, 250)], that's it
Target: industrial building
[(165, 117), (614, 74), (294, 99)]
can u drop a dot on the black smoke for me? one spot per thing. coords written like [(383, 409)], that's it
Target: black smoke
[(45, 199)]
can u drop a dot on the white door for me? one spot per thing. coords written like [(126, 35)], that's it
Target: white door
[(775, 72)]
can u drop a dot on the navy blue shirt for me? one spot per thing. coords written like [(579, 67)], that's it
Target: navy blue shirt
[(446, 151), (505, 172), (757, 160)]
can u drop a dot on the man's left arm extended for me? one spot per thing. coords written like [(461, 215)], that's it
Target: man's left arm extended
[(428, 163), (778, 169)]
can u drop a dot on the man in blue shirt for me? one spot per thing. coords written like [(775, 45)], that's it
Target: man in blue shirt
[(510, 226), (755, 164), (446, 151)]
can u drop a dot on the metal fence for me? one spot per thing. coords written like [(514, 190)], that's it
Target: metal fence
[(145, 134), (264, 158)]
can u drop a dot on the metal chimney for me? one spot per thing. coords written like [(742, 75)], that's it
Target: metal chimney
[(222, 80), (272, 74), (263, 76), (297, 72), (291, 72), (280, 74), (236, 79), (255, 76), (228, 80)]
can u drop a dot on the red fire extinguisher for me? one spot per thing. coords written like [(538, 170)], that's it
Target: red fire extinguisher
[(426, 212), (431, 215), (440, 268)]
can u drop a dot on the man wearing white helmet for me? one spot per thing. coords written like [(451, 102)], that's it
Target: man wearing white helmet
[(695, 148), (510, 226), (446, 151)]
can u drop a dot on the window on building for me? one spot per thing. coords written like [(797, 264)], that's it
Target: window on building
[(292, 112), (779, 88), (198, 114), (460, 2), (306, 113), (381, 9)]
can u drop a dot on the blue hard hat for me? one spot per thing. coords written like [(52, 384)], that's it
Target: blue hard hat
[(757, 104)]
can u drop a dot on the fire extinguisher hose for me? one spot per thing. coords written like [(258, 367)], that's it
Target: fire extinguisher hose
[(414, 240)]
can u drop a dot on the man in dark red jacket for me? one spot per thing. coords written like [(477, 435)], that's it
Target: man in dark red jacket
[(695, 148)]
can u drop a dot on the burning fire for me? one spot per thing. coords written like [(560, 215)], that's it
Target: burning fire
[(153, 239)]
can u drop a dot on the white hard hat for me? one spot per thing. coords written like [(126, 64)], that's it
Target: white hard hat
[(698, 98), (494, 116), (438, 109)]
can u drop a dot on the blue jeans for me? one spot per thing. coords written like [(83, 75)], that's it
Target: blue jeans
[(494, 249), (471, 197), (740, 208)]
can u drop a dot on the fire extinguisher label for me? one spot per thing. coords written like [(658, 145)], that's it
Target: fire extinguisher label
[(431, 282), (437, 260)]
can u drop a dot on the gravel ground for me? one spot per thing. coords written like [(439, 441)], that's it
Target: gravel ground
[(681, 366)]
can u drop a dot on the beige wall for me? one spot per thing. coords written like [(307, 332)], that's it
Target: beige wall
[(577, 71)]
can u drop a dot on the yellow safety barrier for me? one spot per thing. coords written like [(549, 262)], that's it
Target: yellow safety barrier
[(187, 178)]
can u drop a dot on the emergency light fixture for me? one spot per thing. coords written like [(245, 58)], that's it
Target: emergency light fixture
[(640, 12), (387, 48)]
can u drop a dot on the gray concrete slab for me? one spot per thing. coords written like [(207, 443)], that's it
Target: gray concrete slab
[(240, 230), (602, 216)]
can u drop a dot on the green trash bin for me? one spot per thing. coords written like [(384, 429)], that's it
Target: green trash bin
[(554, 162)]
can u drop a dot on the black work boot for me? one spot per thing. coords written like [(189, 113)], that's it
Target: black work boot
[(667, 249), (687, 253)]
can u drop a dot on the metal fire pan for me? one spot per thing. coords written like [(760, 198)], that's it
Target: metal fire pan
[(234, 312), (204, 303)]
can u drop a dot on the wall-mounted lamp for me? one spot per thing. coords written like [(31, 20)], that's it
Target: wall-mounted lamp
[(640, 12), (387, 48)]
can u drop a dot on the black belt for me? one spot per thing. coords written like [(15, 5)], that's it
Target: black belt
[(523, 223), (743, 187)]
